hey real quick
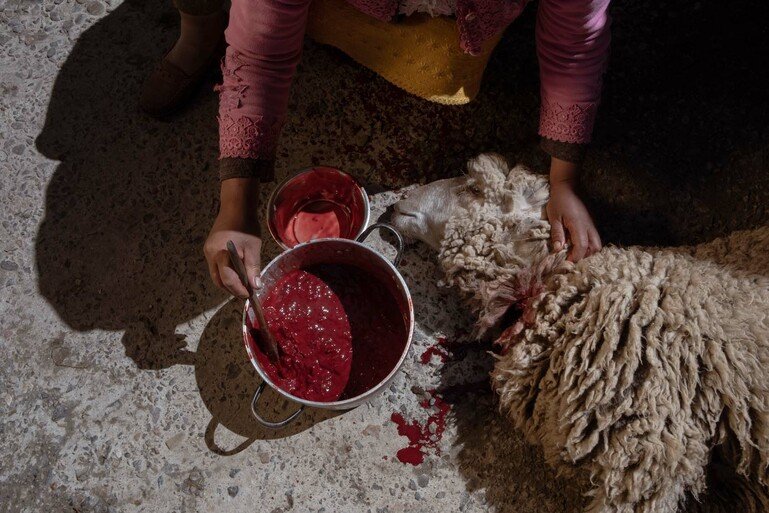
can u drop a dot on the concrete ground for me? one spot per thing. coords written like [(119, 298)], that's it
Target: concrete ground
[(125, 386)]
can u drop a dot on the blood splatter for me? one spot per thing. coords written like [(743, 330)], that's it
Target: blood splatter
[(445, 350), (438, 349), (421, 436)]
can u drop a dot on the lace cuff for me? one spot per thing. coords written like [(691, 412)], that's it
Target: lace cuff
[(570, 152), (242, 132), (246, 137), (567, 122), (262, 169)]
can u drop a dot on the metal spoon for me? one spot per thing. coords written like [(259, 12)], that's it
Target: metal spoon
[(237, 263)]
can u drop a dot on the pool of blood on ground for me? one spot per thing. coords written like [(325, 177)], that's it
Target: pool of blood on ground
[(422, 436), (427, 435), (339, 330)]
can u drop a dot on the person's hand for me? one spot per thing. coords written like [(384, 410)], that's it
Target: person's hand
[(568, 215), (238, 221)]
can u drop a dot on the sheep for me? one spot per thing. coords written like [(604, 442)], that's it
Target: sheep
[(637, 366)]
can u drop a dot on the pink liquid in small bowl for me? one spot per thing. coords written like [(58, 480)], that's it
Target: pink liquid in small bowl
[(319, 203)]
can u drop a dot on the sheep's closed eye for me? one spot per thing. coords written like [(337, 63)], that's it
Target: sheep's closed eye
[(470, 189)]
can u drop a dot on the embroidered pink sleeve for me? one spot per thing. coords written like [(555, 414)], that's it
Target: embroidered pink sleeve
[(265, 44), (572, 46)]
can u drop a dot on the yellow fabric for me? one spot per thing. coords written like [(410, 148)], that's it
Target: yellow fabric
[(420, 54)]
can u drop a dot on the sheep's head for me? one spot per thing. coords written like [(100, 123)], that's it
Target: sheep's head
[(487, 225)]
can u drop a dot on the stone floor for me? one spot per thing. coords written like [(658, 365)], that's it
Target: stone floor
[(125, 386)]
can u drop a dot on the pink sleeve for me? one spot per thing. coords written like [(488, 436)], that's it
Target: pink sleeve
[(572, 47), (265, 44)]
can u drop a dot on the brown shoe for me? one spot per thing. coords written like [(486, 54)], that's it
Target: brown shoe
[(169, 88)]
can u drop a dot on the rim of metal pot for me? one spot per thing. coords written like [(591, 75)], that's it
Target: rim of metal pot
[(358, 399), (278, 188)]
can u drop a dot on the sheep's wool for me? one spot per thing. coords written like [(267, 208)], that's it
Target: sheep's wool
[(634, 366), (636, 363), (496, 237)]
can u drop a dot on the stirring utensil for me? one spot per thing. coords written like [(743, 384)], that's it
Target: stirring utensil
[(237, 263)]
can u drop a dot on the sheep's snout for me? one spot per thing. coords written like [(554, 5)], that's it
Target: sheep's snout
[(412, 225), (424, 212)]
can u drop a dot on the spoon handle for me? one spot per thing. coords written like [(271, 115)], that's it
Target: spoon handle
[(237, 263)]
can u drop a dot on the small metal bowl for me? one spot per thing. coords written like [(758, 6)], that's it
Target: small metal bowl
[(316, 203)]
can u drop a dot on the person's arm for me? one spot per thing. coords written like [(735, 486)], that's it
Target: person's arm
[(572, 47), (264, 40), (265, 44)]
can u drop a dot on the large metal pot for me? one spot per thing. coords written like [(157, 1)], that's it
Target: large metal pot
[(334, 251)]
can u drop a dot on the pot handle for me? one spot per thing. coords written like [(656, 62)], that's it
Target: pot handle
[(266, 423), (398, 237)]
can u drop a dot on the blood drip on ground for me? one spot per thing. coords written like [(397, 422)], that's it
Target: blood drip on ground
[(420, 436), (439, 349), (445, 350)]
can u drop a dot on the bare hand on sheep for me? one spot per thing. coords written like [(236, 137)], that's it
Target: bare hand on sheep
[(237, 221), (567, 213)]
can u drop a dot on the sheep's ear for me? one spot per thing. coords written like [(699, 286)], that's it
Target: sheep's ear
[(488, 168), (531, 190), (519, 173)]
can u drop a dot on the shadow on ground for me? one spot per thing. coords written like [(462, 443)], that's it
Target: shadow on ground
[(682, 147), (128, 208), (227, 382)]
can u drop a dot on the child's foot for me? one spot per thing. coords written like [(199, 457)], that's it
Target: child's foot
[(175, 78)]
